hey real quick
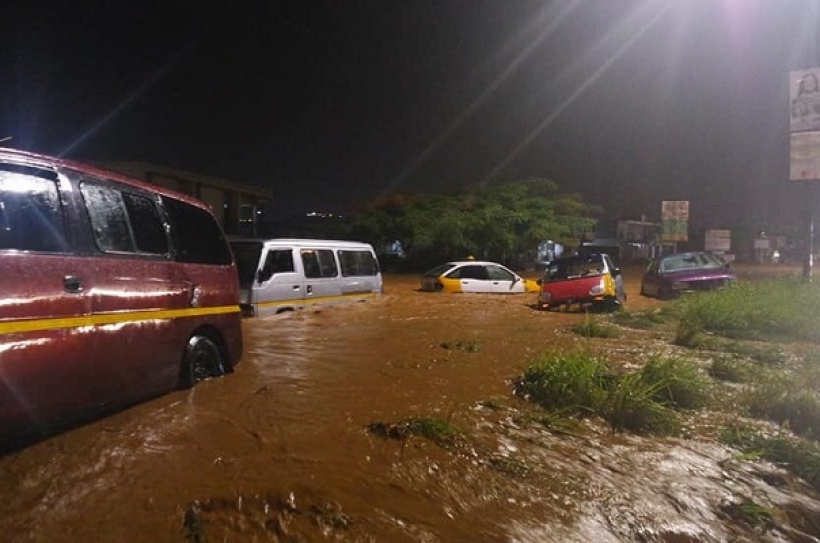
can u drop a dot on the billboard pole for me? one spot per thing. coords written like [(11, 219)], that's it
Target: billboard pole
[(808, 263)]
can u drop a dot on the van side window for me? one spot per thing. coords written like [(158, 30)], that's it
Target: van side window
[(358, 263), (196, 234), (279, 261), (31, 217), (319, 263), (124, 222)]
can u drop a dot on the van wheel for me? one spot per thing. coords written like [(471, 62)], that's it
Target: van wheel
[(202, 360)]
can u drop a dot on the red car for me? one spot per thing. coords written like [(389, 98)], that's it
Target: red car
[(588, 280)]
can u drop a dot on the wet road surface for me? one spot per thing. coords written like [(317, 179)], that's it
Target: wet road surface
[(279, 450)]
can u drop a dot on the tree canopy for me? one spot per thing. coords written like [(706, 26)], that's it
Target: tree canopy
[(498, 221)]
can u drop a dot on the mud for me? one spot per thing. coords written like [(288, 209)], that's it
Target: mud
[(281, 451)]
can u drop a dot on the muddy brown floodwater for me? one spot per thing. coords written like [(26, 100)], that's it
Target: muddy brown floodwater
[(280, 451)]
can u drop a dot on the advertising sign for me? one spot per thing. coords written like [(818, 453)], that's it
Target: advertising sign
[(718, 241), (675, 220), (804, 94), (804, 124)]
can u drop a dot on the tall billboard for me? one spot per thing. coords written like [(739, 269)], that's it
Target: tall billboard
[(804, 124), (675, 220)]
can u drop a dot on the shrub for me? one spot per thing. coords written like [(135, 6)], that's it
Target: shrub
[(675, 382), (575, 381), (798, 456), (592, 327), (775, 309)]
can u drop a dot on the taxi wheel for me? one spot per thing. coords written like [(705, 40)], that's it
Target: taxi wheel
[(202, 361)]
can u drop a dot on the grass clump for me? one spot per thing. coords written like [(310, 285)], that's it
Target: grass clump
[(752, 514), (592, 327), (574, 381), (440, 432), (675, 382), (577, 383), (468, 345), (730, 370), (775, 309), (640, 320), (787, 403), (800, 457)]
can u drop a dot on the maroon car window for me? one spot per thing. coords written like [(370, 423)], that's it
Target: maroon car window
[(196, 234), (123, 222), (31, 216)]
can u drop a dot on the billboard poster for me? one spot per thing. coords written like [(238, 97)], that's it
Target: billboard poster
[(804, 125), (675, 220), (804, 100), (804, 156), (718, 241)]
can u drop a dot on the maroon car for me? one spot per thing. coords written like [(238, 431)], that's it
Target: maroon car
[(113, 291), (672, 275)]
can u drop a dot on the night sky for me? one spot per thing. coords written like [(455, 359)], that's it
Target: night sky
[(628, 102)]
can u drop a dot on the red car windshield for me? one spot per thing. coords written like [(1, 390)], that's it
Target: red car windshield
[(575, 266)]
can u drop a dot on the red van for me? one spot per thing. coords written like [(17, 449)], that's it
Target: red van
[(111, 291)]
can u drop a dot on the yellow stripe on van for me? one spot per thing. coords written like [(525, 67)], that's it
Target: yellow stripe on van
[(319, 300), (38, 325)]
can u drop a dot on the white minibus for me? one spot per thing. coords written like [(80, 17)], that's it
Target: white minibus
[(278, 275)]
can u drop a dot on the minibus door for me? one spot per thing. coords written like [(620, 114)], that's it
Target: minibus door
[(279, 286)]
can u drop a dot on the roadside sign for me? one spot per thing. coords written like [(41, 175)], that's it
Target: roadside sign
[(804, 125), (675, 220)]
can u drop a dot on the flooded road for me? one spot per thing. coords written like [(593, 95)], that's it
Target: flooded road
[(280, 450)]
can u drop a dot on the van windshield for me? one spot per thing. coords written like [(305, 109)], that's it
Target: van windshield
[(246, 254)]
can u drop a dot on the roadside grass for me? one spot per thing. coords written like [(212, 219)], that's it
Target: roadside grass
[(595, 327), (440, 432), (800, 457), (731, 370), (578, 383), (466, 345), (787, 400), (641, 320), (773, 310)]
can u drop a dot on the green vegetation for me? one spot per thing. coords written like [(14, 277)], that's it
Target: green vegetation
[(752, 514), (796, 455), (730, 369), (592, 327), (497, 220), (581, 384), (640, 320), (778, 310), (440, 432), (469, 345)]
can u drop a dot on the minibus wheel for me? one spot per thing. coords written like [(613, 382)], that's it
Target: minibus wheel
[(202, 361)]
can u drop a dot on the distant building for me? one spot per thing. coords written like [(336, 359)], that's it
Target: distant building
[(237, 206)]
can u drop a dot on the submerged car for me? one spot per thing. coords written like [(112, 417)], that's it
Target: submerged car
[(589, 280), (672, 275), (476, 276)]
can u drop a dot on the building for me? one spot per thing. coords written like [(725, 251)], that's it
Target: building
[(237, 206)]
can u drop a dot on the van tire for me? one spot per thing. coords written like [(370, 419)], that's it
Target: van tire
[(202, 361)]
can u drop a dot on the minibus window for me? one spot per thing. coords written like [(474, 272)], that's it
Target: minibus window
[(124, 222), (358, 263), (196, 234), (279, 261), (31, 217), (319, 263)]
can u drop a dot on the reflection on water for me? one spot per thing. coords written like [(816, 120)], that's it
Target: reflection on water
[(279, 450)]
